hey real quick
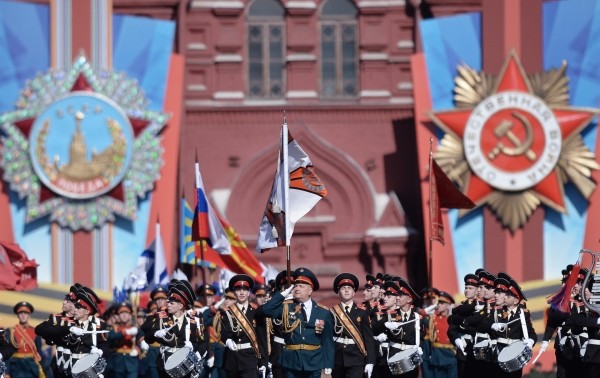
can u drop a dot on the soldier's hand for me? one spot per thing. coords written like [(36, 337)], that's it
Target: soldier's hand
[(160, 333), (231, 345), (132, 331), (287, 291), (499, 327), (460, 344), (430, 309), (210, 362), (188, 344), (381, 337), (479, 307), (529, 343), (369, 370), (392, 325), (144, 345), (76, 331), (262, 371), (419, 351), (327, 371), (96, 351), (544, 346)]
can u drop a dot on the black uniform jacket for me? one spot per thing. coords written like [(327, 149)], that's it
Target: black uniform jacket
[(350, 354)]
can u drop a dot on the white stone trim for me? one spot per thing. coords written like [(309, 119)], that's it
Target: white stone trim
[(302, 94), (301, 5), (381, 3), (374, 56), (203, 4), (405, 85), (196, 46), (229, 58), (405, 44), (402, 100), (375, 93), (387, 232), (226, 95), (196, 87), (301, 57)]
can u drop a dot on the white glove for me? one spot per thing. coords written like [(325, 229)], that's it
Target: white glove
[(327, 371), (530, 343), (262, 370), (598, 321), (392, 325), (144, 345), (231, 345), (460, 344), (369, 370), (430, 309), (76, 331), (479, 307), (134, 352), (381, 337), (188, 344), (287, 291), (210, 362), (219, 303), (96, 351), (1, 357), (161, 333), (132, 331), (499, 327), (419, 351), (544, 346)]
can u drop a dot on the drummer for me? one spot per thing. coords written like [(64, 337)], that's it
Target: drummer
[(354, 343), (158, 302), (174, 329), (514, 324), (401, 326), (88, 335)]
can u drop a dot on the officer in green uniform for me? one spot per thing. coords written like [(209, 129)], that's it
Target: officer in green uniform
[(307, 327), (26, 361), (124, 359)]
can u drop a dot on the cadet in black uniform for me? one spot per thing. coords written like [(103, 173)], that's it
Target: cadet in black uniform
[(354, 342)]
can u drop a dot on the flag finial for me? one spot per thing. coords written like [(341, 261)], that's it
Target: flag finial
[(284, 120), (196, 155)]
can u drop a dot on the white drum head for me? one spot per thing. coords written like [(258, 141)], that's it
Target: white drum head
[(401, 355), (177, 358), (512, 351), (84, 363)]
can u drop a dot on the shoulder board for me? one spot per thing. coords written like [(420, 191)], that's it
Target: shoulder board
[(253, 305), (361, 306), (323, 306)]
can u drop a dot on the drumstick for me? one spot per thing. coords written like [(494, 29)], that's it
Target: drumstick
[(101, 331), (505, 324), (537, 357)]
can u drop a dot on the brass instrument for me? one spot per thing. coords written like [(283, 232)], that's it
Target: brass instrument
[(593, 303)]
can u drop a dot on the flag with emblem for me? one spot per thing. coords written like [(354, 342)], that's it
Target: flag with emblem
[(296, 190), (206, 225), (17, 271), (442, 194)]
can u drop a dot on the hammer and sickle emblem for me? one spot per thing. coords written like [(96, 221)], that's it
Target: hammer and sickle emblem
[(520, 146)]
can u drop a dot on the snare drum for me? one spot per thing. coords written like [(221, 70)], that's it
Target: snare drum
[(183, 362), (514, 356), (482, 351), (89, 366), (404, 361)]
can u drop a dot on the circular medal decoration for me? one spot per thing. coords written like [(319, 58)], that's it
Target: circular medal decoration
[(512, 140), (81, 145)]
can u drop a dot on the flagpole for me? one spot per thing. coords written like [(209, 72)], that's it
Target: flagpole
[(430, 270), (286, 192), (202, 262)]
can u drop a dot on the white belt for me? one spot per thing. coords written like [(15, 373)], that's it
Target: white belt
[(467, 337), (384, 345), (344, 340), (507, 341), (66, 351), (78, 356), (279, 340), (593, 342), (401, 346), (243, 346)]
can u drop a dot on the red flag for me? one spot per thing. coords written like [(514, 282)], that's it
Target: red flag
[(17, 272), (442, 193)]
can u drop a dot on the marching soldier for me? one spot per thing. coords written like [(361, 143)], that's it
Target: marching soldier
[(511, 325), (461, 334), (260, 293), (442, 360), (355, 347), (52, 330), (275, 341), (174, 329), (87, 334), (244, 333), (124, 359), (307, 327), (590, 349), (158, 302), (26, 361), (401, 326)]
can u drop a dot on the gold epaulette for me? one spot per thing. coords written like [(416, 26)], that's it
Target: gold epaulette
[(288, 301)]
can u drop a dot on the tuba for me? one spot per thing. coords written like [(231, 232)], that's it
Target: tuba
[(593, 303)]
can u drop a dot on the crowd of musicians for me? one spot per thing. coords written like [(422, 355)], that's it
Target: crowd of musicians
[(279, 330)]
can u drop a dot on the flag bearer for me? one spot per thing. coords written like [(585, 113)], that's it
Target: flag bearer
[(26, 361)]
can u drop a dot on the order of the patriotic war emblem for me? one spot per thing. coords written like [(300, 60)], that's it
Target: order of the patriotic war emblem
[(81, 147)]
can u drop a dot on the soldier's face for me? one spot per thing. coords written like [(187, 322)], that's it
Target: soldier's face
[(81, 313), (511, 301), (161, 302), (489, 293), (403, 300), (470, 291), (67, 306), (302, 292), (376, 291), (389, 300), (346, 293), (500, 298), (261, 299), (174, 307), (368, 294), (241, 294), (23, 317), (209, 300), (125, 317)]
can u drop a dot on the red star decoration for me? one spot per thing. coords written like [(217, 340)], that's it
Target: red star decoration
[(571, 120), (81, 84)]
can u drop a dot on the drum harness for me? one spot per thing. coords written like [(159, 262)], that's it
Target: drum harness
[(400, 331), (506, 341), (77, 356), (166, 349)]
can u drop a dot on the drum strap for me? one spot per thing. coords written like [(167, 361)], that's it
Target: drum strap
[(349, 325), (246, 327), (523, 324)]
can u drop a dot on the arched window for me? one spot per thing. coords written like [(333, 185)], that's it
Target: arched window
[(266, 48), (339, 49)]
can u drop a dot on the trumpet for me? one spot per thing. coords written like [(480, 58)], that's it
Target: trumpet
[(593, 302)]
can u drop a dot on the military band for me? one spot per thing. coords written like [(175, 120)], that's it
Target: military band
[(279, 330)]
